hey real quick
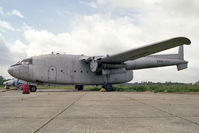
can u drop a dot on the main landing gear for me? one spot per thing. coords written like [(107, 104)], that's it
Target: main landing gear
[(79, 87), (107, 87)]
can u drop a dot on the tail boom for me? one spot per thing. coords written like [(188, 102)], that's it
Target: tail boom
[(159, 61)]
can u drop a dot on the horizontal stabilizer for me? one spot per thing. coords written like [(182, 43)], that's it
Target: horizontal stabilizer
[(182, 66)]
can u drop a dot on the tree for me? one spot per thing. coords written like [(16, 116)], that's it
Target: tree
[(197, 83), (1, 80)]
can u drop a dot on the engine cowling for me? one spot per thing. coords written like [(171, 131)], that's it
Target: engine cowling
[(94, 65)]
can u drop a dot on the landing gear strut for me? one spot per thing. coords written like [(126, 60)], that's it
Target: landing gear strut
[(7, 87), (79, 87), (108, 87)]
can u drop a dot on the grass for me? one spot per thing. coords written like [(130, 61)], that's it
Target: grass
[(137, 88), (133, 88), (158, 88), (1, 87)]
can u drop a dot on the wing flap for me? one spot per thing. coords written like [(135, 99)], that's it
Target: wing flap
[(145, 51)]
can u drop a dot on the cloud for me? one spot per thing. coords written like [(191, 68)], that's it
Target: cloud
[(181, 7), (17, 49), (95, 35), (91, 4), (6, 25), (15, 13), (9, 55), (1, 11), (141, 5), (140, 23), (11, 13), (5, 57)]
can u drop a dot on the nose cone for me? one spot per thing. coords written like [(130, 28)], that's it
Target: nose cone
[(10, 71), (19, 72)]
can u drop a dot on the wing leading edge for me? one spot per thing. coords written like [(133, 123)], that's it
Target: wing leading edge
[(145, 51)]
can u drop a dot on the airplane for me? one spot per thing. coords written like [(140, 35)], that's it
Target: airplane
[(80, 70), (12, 82), (18, 84)]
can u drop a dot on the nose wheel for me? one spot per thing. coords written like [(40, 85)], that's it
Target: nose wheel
[(33, 88)]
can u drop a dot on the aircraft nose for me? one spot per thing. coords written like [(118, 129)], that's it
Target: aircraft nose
[(10, 71)]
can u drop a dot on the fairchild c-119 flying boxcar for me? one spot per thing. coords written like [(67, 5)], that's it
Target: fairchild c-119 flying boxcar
[(106, 70)]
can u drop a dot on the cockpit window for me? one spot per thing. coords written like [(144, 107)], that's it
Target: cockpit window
[(27, 61)]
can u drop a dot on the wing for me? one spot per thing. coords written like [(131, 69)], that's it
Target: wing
[(144, 51)]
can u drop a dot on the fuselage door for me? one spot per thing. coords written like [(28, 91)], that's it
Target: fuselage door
[(52, 74)]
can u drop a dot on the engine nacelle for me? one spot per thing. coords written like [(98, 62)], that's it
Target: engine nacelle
[(93, 65), (113, 71)]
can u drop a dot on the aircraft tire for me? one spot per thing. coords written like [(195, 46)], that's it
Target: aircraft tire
[(108, 87), (33, 88), (79, 87)]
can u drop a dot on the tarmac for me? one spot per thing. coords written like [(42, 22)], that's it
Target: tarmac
[(50, 111)]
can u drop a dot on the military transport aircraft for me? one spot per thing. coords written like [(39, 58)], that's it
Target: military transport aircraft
[(106, 70)]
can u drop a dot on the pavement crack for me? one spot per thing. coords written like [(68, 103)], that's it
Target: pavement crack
[(169, 113), (51, 119)]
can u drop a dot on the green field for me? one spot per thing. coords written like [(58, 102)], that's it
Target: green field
[(136, 88), (133, 88), (158, 88)]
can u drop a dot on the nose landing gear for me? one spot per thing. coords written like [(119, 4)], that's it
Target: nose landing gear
[(33, 88)]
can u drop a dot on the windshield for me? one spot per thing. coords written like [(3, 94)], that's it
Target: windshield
[(24, 62)]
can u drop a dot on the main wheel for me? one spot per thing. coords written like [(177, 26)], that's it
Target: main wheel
[(79, 87), (108, 87), (33, 88)]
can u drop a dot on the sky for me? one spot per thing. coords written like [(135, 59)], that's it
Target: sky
[(99, 27)]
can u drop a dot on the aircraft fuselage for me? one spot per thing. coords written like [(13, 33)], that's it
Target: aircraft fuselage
[(67, 70)]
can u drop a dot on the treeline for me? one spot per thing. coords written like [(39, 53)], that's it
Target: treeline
[(156, 83), (157, 88), (1, 80), (183, 88)]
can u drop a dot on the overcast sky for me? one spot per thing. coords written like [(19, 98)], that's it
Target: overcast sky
[(99, 27)]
